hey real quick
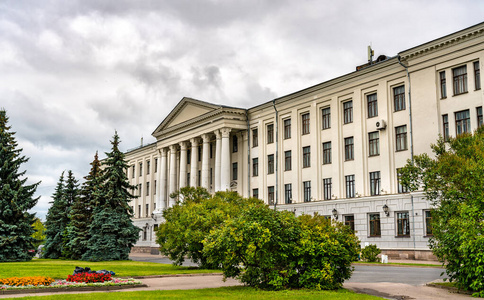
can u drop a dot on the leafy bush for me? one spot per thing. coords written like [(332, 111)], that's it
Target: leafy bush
[(271, 249), (370, 253), (23, 281), (89, 277)]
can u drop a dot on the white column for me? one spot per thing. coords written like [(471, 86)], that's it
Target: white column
[(206, 162), (172, 174), (183, 164), (161, 188), (218, 157), (225, 160), (194, 162)]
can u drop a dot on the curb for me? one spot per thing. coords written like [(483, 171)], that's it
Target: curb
[(176, 275), (451, 289), (70, 289)]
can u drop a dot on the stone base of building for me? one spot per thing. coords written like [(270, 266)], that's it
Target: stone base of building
[(409, 254), (145, 250)]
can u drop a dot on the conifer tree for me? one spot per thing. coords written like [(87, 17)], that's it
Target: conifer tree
[(71, 194), (16, 198), (112, 231), (56, 221), (81, 212)]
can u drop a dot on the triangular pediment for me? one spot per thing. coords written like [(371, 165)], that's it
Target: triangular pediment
[(187, 109)]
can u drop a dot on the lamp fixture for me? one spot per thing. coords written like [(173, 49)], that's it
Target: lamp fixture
[(335, 214), (385, 209)]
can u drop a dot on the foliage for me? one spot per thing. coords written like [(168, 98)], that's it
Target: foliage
[(370, 253), (271, 249), (112, 233), (56, 221), (453, 181), (23, 281), (58, 269), (76, 217), (39, 234), (192, 218), (16, 199), (89, 277)]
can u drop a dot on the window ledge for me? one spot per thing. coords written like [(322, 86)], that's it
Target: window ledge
[(374, 236), (402, 236), (460, 94)]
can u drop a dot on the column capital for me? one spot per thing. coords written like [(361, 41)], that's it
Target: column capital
[(195, 141), (206, 138), (218, 135), (163, 151), (173, 147), (183, 145), (225, 132)]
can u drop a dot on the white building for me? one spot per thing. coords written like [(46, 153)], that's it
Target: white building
[(333, 148)]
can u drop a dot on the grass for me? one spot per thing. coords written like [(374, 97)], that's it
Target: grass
[(59, 269), (245, 293)]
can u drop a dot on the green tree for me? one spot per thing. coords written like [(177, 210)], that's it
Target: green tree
[(77, 219), (112, 233), (453, 181), (16, 199), (39, 234), (192, 218), (56, 221)]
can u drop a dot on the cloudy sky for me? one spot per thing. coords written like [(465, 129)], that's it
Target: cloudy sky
[(73, 72)]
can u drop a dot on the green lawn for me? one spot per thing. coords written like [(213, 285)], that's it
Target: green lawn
[(220, 293), (59, 269)]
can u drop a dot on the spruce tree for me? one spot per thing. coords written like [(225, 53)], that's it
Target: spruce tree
[(71, 194), (56, 221), (81, 212), (16, 198), (112, 231)]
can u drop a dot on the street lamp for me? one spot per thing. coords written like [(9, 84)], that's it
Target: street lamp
[(385, 209), (335, 214)]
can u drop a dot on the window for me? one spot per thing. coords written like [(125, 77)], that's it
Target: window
[(307, 191), (140, 169), (288, 193), (399, 98), (270, 194), (460, 80), (156, 165), (188, 179), (401, 188), (305, 123), (375, 230), (306, 157), (372, 105), (443, 85), (270, 133), (287, 129), (374, 143), (401, 137), (445, 126), (287, 160), (255, 193), (147, 167), (200, 153), (255, 137), (255, 167), (326, 118), (428, 223), (132, 171), (154, 190), (235, 145), (350, 221), (140, 186), (350, 186), (189, 156), (147, 189), (139, 211), (147, 210), (462, 122), (211, 147), (375, 183), (349, 149), (348, 112), (199, 178), (477, 75), (327, 182), (270, 164), (326, 153), (479, 116), (403, 224), (234, 171)]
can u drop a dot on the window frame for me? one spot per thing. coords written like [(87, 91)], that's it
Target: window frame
[(255, 193), (270, 195), (270, 133), (372, 105), (463, 124), (306, 157), (350, 186), (148, 164), (427, 223), (288, 193), (402, 225), (443, 85), (460, 80), (235, 171), (401, 138), (445, 127), (327, 188), (305, 123), (479, 116), (147, 188), (351, 222), (307, 191), (348, 112), (270, 164), (327, 153), (255, 137), (477, 75), (288, 160), (235, 145), (373, 143), (326, 117), (287, 128), (400, 188), (399, 98), (349, 148), (375, 183), (255, 167), (374, 225)]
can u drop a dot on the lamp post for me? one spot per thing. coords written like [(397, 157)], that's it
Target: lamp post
[(385, 209), (335, 214)]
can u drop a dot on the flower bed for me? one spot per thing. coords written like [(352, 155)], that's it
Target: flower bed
[(26, 281), (89, 277)]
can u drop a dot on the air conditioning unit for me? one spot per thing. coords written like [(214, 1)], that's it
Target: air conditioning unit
[(381, 124)]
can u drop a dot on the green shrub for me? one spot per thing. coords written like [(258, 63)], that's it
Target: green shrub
[(370, 253)]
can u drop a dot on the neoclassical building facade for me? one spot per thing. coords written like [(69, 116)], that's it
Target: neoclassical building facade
[(332, 149)]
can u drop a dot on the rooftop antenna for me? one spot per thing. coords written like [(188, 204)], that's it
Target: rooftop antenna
[(371, 53), (141, 141)]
